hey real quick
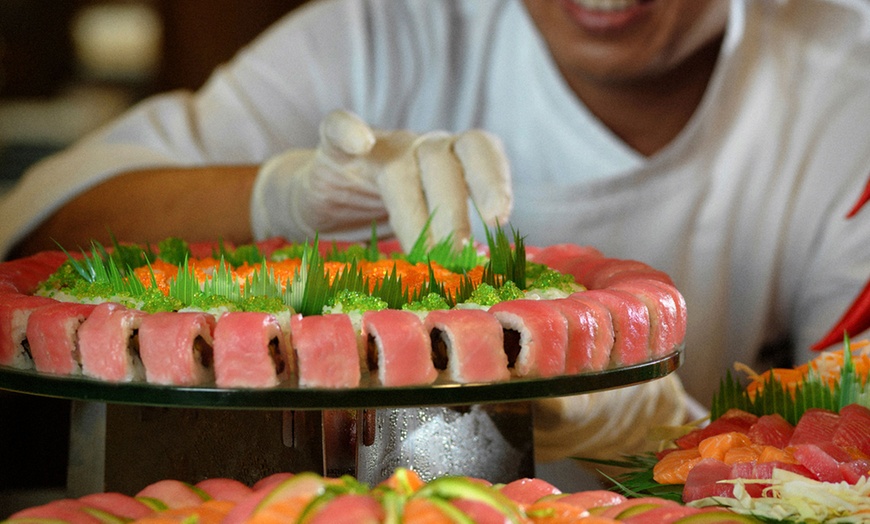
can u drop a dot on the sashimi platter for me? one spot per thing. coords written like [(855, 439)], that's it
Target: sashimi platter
[(321, 325)]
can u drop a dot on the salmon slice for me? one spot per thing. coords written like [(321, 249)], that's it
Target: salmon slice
[(718, 445), (674, 467)]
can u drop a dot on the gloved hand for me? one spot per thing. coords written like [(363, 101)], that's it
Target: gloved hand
[(608, 424), (358, 175)]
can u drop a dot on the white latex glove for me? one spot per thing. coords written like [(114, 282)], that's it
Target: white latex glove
[(358, 175), (608, 424)]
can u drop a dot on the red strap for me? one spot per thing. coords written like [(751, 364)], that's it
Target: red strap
[(865, 196), (854, 321)]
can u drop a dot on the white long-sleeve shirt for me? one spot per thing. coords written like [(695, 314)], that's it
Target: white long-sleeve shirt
[(745, 209)]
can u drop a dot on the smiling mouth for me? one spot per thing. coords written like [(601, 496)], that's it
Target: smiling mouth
[(608, 5)]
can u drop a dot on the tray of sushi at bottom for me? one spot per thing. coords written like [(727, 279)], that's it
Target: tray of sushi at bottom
[(369, 394)]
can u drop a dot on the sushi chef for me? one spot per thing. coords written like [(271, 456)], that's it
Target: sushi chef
[(721, 141)]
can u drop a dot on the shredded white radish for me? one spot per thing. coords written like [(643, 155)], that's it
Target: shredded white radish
[(794, 498)]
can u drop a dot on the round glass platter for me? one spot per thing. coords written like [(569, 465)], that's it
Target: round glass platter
[(367, 395)]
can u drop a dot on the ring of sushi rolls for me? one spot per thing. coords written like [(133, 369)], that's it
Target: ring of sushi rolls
[(576, 311)]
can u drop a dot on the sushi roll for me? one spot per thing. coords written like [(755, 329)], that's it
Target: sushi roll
[(109, 344), (631, 342), (326, 352), (25, 274), (177, 348), (468, 344), (52, 332), (667, 327), (536, 336), (397, 348), (590, 334), (15, 311), (565, 258), (250, 351)]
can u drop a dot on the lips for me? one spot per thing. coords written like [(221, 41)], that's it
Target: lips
[(605, 15)]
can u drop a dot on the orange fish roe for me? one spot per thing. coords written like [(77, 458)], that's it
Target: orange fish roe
[(413, 276)]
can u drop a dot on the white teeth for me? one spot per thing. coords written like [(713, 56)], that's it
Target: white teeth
[(605, 5)]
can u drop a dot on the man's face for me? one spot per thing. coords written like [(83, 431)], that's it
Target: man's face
[(617, 41)]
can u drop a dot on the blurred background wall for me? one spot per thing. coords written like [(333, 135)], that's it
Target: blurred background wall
[(66, 67)]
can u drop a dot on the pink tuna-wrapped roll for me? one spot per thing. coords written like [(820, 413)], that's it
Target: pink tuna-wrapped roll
[(666, 317), (543, 336), (681, 323), (177, 348), (52, 332), (25, 274), (630, 325), (468, 344), (326, 351), (398, 347), (250, 351), (109, 344), (565, 257), (590, 334), (15, 311)]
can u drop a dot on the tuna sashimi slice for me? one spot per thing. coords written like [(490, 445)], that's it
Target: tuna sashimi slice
[(109, 344), (666, 327), (731, 420), (703, 481), (15, 311), (853, 430), (177, 348), (771, 430), (854, 470), (250, 351), (398, 347), (52, 333), (814, 427), (543, 336), (468, 344), (590, 334), (631, 325), (326, 351), (821, 464)]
